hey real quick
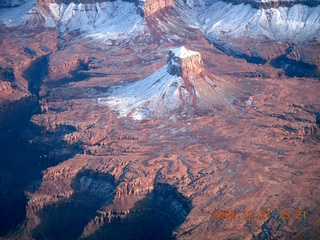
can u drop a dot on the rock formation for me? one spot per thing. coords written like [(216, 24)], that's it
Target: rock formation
[(142, 148), (5, 88), (183, 62), (144, 7), (149, 7), (275, 3)]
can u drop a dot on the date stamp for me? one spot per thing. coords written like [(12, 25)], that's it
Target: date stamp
[(260, 215)]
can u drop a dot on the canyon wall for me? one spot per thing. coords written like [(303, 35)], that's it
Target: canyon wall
[(275, 3), (149, 7), (144, 7)]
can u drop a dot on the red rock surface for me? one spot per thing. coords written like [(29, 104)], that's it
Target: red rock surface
[(151, 6), (259, 153), (184, 63)]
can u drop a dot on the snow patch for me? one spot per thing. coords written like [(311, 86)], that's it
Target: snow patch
[(297, 23), (157, 95), (14, 15), (182, 52), (100, 21)]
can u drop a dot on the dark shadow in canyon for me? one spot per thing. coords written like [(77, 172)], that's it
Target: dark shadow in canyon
[(155, 217), (35, 74), (22, 160), (7, 74), (274, 4), (293, 68), (19, 164), (79, 74), (67, 218), (253, 58)]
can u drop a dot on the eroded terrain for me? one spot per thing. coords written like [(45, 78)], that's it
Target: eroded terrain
[(75, 164)]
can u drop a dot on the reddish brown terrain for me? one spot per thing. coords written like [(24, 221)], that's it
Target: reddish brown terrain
[(73, 168)]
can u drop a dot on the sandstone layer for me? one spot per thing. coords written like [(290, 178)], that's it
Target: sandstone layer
[(149, 7), (183, 62), (275, 3)]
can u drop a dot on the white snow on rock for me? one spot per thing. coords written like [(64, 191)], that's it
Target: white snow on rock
[(101, 21), (297, 23), (110, 20), (156, 95), (166, 96), (182, 52), (106, 20), (13, 15)]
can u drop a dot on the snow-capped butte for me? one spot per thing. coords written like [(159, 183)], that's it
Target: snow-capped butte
[(182, 52), (164, 95), (183, 62)]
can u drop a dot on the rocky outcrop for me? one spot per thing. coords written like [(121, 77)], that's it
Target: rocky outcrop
[(183, 62), (149, 7), (64, 67), (5, 88), (144, 7)]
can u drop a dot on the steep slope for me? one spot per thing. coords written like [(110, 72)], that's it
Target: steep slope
[(107, 20), (218, 133), (262, 35), (220, 20), (177, 89), (295, 24)]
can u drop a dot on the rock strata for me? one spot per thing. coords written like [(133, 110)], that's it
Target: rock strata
[(149, 7), (183, 62), (275, 3)]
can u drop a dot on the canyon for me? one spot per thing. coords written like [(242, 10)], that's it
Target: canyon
[(126, 120), (275, 3)]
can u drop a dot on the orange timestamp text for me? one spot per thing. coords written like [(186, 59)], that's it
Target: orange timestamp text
[(261, 214)]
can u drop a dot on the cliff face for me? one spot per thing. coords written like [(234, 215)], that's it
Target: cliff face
[(275, 3), (144, 7), (149, 7), (183, 62)]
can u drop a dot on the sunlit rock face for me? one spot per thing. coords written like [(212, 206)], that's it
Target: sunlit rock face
[(183, 62), (144, 7), (149, 7)]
